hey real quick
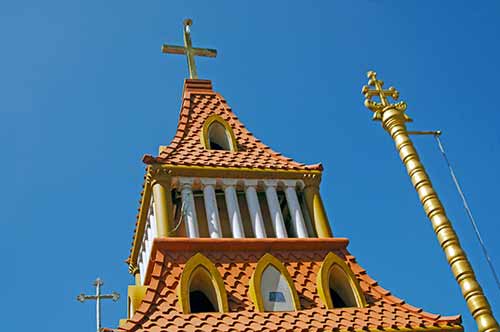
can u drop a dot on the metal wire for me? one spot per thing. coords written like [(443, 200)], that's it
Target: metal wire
[(468, 210), (181, 219)]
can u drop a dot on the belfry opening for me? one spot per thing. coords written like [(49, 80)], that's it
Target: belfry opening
[(202, 293), (341, 291), (218, 137)]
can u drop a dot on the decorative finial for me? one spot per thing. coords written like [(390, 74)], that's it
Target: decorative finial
[(379, 107), (189, 50)]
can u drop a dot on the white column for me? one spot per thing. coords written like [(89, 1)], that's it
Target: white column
[(233, 209), (254, 209), (188, 207), (274, 209), (214, 228), (148, 240), (292, 200), (141, 268), (143, 265), (152, 220)]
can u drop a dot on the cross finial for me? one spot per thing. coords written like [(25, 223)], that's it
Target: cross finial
[(379, 107), (98, 297), (189, 50)]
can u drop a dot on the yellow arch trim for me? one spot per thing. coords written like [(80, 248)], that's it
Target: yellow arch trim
[(199, 260), (229, 131), (256, 281), (323, 281)]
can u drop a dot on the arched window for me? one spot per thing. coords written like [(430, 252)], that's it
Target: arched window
[(217, 135), (202, 294), (271, 287), (341, 291), (337, 285), (201, 288)]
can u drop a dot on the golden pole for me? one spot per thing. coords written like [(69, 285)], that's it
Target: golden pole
[(393, 120)]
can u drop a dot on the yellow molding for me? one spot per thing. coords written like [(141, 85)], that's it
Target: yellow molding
[(237, 172), (197, 261), (204, 132), (323, 281), (256, 281), (452, 328), (258, 170)]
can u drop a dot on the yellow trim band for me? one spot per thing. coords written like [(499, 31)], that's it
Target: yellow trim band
[(197, 261), (453, 328), (256, 281), (323, 281), (241, 169)]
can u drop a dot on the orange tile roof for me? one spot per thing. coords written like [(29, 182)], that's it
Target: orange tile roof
[(236, 261), (200, 102)]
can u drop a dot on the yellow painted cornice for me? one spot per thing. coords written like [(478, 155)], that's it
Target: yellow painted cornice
[(234, 172), (452, 328)]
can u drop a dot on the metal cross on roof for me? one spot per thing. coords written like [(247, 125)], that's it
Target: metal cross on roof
[(189, 50), (97, 297), (379, 107)]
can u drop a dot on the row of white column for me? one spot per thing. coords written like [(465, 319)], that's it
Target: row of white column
[(150, 233), (235, 221)]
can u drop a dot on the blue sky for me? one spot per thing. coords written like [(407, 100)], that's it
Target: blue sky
[(85, 92)]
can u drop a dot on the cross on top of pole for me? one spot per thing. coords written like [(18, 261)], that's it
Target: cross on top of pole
[(380, 107), (97, 297), (189, 50)]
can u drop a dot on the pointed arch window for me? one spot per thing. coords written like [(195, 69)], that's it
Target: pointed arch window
[(271, 287), (337, 285), (201, 288), (218, 135)]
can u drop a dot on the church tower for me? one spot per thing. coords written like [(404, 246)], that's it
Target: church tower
[(233, 236)]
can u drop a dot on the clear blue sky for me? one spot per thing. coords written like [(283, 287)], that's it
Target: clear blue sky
[(85, 92)]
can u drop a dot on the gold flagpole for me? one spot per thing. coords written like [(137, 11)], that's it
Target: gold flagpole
[(394, 120)]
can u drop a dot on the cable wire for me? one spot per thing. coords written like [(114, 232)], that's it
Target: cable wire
[(468, 210), (181, 219)]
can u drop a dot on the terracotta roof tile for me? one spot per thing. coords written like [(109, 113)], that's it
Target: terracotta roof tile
[(200, 102), (160, 312)]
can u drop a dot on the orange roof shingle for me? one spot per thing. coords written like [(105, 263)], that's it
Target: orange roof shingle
[(159, 310), (200, 102)]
